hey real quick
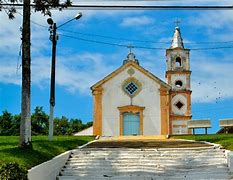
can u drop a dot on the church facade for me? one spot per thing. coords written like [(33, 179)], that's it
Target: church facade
[(133, 101)]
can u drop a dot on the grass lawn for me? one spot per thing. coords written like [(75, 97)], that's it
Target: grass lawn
[(226, 140), (43, 149)]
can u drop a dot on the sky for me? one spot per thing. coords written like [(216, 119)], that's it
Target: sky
[(93, 46)]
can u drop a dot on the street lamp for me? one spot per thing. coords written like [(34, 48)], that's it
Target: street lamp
[(54, 37)]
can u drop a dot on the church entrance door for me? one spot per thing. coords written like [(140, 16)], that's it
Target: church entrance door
[(131, 123)]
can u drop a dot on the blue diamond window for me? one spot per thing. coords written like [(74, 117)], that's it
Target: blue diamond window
[(131, 88)]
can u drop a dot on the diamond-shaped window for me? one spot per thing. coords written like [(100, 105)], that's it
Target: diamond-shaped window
[(131, 88), (179, 105)]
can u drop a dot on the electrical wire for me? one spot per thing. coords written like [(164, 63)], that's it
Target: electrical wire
[(136, 7), (134, 40), (143, 41), (126, 46), (141, 47)]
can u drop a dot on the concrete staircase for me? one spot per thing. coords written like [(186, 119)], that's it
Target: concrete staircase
[(127, 163)]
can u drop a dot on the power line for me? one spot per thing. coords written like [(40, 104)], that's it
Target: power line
[(136, 7), (33, 21), (141, 47), (123, 45), (143, 41), (108, 43), (137, 40)]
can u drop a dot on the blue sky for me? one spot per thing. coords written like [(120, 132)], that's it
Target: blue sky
[(82, 63)]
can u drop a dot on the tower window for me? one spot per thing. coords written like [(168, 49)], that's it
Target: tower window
[(179, 105), (178, 62), (179, 84)]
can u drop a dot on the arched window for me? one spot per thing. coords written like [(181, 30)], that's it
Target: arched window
[(179, 83), (178, 62)]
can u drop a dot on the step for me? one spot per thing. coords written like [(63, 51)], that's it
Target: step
[(145, 160), (87, 151), (151, 164), (148, 155), (140, 175), (154, 170), (126, 164)]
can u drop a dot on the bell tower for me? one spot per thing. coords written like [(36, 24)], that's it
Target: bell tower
[(178, 77)]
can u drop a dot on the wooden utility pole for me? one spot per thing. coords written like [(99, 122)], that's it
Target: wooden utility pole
[(25, 124)]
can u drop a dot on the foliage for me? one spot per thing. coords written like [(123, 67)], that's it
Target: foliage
[(226, 140), (44, 6), (10, 124), (12, 171), (61, 125), (40, 121), (43, 149)]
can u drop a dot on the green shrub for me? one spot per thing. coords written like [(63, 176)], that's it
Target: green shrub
[(12, 171)]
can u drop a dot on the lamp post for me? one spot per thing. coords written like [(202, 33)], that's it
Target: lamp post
[(54, 38)]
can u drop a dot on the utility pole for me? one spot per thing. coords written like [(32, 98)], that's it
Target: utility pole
[(54, 39), (25, 123)]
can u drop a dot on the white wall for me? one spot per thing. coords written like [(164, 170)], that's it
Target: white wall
[(50, 169), (113, 97), (85, 132)]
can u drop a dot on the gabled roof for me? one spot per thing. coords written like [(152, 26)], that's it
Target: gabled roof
[(136, 66)]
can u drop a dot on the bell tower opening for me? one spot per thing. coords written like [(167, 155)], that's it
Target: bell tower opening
[(179, 84), (178, 62)]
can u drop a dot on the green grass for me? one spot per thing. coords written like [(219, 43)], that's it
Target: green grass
[(226, 140), (42, 151)]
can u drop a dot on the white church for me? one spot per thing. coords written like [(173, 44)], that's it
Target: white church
[(133, 101)]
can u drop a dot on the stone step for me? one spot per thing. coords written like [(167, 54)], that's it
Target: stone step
[(147, 157), (145, 151), (144, 165), (139, 170), (151, 164), (128, 159), (210, 148), (206, 177), (123, 165), (152, 148), (154, 171), (151, 175)]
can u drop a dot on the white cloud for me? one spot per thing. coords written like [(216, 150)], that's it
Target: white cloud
[(137, 21), (211, 79), (213, 19), (77, 72)]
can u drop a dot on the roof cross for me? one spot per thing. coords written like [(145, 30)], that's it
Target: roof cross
[(177, 22), (130, 48)]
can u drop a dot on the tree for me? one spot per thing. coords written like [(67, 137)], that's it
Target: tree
[(44, 6), (61, 126), (40, 121), (76, 125), (5, 123)]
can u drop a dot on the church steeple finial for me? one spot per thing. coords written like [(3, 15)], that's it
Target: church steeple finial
[(131, 56), (177, 40)]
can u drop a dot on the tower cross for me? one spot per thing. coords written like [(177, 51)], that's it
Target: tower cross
[(177, 22), (130, 47)]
